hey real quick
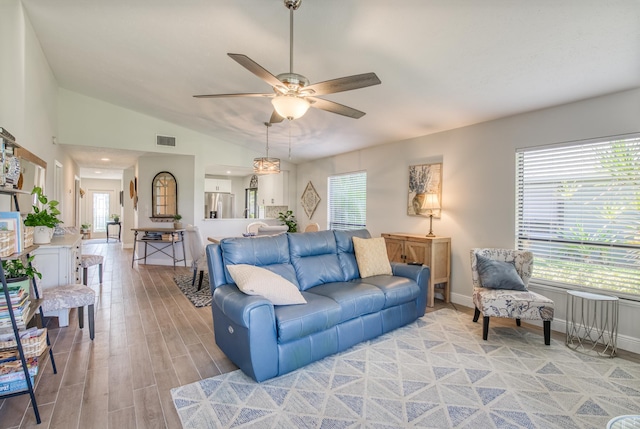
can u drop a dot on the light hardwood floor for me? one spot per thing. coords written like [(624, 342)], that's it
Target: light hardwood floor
[(149, 338)]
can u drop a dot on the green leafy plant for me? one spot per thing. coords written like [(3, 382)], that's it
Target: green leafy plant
[(15, 268), (177, 217), (115, 217), (45, 216), (85, 226), (287, 218)]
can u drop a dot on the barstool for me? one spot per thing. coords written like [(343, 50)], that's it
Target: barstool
[(90, 261), (71, 296)]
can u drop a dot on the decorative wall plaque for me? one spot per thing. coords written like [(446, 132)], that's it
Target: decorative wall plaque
[(310, 199)]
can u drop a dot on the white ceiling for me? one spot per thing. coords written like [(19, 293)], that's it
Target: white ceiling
[(443, 63)]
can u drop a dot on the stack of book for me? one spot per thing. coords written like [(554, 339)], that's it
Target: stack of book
[(11, 372), (19, 303)]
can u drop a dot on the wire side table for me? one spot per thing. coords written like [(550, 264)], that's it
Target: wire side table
[(592, 323)]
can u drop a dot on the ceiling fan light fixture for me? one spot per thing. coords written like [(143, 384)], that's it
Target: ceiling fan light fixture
[(290, 106)]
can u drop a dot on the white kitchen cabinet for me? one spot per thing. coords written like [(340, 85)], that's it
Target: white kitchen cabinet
[(273, 189), (217, 185), (59, 262)]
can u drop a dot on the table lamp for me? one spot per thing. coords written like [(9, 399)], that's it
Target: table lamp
[(430, 204)]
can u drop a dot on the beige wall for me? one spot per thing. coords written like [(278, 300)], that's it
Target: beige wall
[(478, 181)]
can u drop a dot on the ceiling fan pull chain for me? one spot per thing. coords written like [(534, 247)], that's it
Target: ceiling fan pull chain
[(289, 140)]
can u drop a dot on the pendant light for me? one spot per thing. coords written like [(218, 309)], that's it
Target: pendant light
[(266, 165)]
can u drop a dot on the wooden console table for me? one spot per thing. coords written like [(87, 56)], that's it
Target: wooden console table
[(156, 239), (434, 252)]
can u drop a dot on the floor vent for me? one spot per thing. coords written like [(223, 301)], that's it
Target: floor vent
[(165, 141)]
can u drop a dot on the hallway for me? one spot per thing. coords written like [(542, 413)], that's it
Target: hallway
[(113, 381)]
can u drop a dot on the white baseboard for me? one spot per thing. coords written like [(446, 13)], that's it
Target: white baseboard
[(625, 342)]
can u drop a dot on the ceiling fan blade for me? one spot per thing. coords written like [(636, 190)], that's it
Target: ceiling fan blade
[(275, 118), (233, 95), (257, 69), (333, 107), (344, 84)]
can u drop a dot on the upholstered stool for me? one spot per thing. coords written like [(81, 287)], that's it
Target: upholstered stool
[(90, 261), (71, 296)]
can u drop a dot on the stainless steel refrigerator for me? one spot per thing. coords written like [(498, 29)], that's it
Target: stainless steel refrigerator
[(219, 206)]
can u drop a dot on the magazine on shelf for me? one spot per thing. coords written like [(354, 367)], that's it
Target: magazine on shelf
[(19, 228)]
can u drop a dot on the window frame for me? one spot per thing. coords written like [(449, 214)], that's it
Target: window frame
[(352, 219), (583, 234)]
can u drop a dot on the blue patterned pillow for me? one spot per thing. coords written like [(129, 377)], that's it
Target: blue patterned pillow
[(498, 275)]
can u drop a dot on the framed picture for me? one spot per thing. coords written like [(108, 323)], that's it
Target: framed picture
[(425, 190)]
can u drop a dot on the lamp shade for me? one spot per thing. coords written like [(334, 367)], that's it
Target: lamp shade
[(430, 203), (290, 106), (266, 165)]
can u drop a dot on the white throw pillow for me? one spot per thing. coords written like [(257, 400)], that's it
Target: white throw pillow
[(371, 255), (254, 280)]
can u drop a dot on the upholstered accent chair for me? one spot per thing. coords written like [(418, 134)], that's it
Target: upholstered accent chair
[(90, 261), (514, 304), (198, 257), (71, 296)]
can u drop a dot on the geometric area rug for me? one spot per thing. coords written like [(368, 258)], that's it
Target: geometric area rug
[(199, 298), (434, 373)]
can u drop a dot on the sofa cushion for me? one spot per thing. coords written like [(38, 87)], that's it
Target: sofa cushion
[(355, 299), (397, 290), (371, 255), (298, 321), (270, 252), (315, 259), (346, 254), (254, 280)]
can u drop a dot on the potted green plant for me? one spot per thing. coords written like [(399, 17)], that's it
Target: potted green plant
[(85, 227), (176, 221), (115, 217), (287, 218), (44, 219), (19, 275)]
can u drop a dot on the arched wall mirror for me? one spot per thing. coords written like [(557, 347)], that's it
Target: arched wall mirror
[(164, 195)]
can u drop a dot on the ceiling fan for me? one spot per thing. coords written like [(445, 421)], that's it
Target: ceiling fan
[(292, 94)]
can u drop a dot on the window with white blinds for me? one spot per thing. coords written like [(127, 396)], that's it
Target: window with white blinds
[(348, 201), (579, 213)]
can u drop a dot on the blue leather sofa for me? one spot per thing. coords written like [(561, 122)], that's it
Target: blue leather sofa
[(342, 309)]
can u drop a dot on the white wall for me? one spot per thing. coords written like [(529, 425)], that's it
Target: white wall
[(86, 121), (28, 105), (478, 182)]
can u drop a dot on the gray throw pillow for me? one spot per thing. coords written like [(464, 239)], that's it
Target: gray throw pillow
[(498, 275)]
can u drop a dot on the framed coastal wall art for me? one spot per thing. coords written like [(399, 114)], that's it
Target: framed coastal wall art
[(424, 181)]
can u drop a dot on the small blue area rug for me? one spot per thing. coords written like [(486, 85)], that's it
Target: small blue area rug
[(435, 373)]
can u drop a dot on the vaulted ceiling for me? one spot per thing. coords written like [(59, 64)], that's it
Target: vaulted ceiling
[(443, 63)]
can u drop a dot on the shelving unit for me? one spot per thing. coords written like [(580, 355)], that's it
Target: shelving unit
[(35, 306)]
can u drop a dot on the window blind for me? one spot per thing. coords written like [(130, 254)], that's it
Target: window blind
[(348, 201), (578, 211)]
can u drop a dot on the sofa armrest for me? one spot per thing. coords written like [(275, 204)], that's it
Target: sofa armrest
[(238, 306), (421, 274), (245, 330)]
